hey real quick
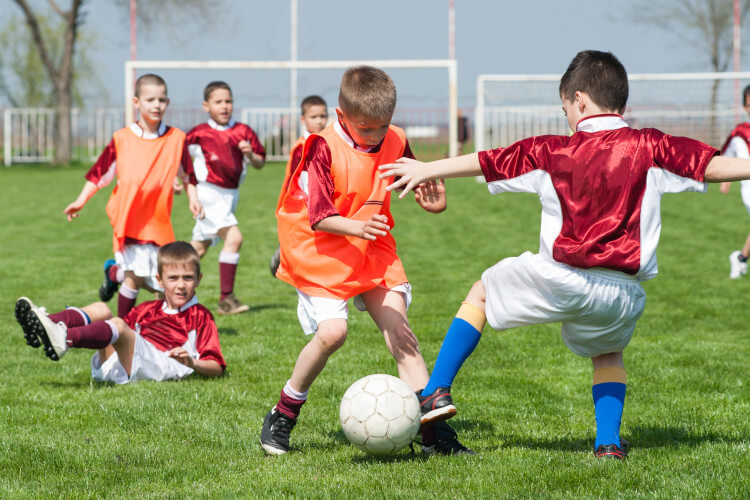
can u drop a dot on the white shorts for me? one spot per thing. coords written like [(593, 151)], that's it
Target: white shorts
[(219, 205), (149, 363), (745, 192), (311, 311), (598, 307), (141, 259)]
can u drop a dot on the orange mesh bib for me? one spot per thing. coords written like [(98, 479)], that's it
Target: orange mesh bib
[(289, 169), (141, 204), (328, 265)]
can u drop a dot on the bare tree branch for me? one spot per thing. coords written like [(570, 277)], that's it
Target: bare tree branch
[(36, 35), (56, 8)]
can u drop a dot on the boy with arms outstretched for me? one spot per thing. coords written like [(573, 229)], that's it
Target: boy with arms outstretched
[(600, 191), (157, 340), (336, 244), (221, 149), (314, 117), (145, 158)]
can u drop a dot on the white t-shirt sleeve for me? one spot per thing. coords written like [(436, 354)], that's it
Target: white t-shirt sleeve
[(737, 148)]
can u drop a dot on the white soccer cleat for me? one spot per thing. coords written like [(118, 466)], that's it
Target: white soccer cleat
[(53, 335), (737, 268)]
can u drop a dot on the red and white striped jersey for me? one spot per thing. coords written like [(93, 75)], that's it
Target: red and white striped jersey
[(600, 189)]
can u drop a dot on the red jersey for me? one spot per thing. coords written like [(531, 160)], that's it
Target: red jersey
[(216, 153), (166, 328), (743, 132), (600, 189)]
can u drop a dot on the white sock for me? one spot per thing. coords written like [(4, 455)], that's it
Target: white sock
[(229, 257), (128, 292), (289, 391), (115, 331)]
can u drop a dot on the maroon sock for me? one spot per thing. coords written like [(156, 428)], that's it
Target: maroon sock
[(226, 278), (124, 305), (289, 406), (112, 273), (71, 317), (97, 335)]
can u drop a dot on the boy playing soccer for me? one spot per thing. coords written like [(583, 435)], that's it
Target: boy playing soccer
[(157, 340), (314, 117), (145, 158), (737, 146), (336, 244), (600, 191), (221, 150)]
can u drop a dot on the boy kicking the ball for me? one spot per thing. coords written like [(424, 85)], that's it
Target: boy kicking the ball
[(157, 340), (600, 191), (336, 245)]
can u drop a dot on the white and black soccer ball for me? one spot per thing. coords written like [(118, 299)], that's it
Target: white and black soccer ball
[(380, 414)]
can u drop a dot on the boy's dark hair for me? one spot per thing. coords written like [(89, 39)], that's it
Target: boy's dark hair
[(178, 252), (218, 84), (601, 76), (745, 95), (312, 100), (367, 92), (148, 79)]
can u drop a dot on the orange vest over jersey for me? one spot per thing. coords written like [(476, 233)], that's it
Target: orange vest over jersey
[(289, 168), (327, 265), (141, 203)]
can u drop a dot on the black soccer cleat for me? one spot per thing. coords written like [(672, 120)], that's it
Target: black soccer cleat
[(108, 287), (274, 436), (612, 451), (24, 307), (436, 407), (441, 439)]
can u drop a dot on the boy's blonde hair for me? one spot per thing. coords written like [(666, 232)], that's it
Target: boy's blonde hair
[(178, 252), (367, 92), (149, 79)]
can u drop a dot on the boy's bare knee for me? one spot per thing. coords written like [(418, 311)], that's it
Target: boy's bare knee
[(332, 337), (477, 295), (120, 324), (200, 247)]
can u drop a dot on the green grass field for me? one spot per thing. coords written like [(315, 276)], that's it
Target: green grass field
[(524, 400)]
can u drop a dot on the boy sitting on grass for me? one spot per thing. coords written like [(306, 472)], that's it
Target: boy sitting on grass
[(157, 340)]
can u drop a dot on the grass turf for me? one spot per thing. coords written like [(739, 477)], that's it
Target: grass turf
[(524, 400)]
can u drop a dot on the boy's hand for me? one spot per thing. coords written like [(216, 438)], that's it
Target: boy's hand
[(196, 209), (376, 226), (177, 186), (246, 148), (72, 210), (431, 196), (724, 187), (412, 173), (182, 356)]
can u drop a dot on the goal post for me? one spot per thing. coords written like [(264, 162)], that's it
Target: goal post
[(449, 64), (703, 106)]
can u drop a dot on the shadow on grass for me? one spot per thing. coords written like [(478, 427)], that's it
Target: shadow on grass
[(227, 331), (261, 307)]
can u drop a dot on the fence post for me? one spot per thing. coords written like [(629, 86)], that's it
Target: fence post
[(7, 148)]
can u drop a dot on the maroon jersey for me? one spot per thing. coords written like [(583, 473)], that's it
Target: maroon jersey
[(742, 131), (600, 189), (167, 329), (216, 153)]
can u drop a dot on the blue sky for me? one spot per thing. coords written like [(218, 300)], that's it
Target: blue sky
[(531, 36)]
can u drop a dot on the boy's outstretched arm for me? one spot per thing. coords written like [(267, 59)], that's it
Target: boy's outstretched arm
[(89, 189), (726, 169), (412, 173), (207, 367), (370, 229)]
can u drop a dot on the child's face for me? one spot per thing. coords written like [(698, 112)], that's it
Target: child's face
[(315, 118), (219, 106), (572, 112), (152, 103), (366, 132), (179, 282)]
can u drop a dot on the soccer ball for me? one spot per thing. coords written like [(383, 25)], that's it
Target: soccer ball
[(380, 414)]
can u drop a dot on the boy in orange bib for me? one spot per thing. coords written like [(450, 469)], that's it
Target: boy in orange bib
[(145, 157), (334, 220)]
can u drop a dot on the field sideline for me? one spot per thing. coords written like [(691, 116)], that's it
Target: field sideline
[(524, 400)]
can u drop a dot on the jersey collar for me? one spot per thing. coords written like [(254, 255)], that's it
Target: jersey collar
[(597, 123), (344, 134), (212, 123), (190, 303), (137, 130)]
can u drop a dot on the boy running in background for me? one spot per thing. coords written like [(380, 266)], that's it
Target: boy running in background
[(737, 146), (314, 118), (157, 340), (145, 157), (336, 244), (221, 150), (600, 191)]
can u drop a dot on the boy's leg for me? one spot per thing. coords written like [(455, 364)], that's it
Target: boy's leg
[(229, 259), (201, 247), (128, 293), (113, 276), (608, 390)]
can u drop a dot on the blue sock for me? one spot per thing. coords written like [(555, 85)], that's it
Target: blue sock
[(609, 399), (459, 342)]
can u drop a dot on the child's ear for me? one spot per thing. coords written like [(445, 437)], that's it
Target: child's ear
[(158, 279), (205, 106), (339, 114)]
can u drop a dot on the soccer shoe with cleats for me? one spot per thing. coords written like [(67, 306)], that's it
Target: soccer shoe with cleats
[(441, 439), (231, 305), (24, 306), (437, 406), (275, 261), (274, 436), (612, 451), (108, 287), (52, 335), (737, 268)]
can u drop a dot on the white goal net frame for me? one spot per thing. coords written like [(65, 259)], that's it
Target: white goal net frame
[(449, 64), (705, 106)]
